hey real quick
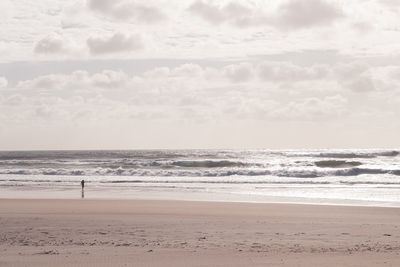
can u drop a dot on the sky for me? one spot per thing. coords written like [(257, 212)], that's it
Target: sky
[(172, 74)]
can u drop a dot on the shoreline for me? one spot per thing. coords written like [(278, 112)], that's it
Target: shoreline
[(162, 206), (205, 202), (288, 203), (178, 195)]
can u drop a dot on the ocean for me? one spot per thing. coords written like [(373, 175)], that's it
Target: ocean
[(345, 177)]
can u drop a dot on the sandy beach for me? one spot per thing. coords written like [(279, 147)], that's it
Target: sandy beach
[(184, 233)]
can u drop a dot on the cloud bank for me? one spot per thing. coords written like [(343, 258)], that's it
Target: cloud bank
[(290, 15), (252, 91)]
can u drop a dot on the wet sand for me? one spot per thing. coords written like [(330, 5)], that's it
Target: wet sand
[(185, 233)]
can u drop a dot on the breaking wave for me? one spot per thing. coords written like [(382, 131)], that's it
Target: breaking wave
[(337, 164), (350, 155), (313, 173), (208, 164)]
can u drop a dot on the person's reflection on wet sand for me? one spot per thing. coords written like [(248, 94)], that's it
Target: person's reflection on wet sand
[(83, 188)]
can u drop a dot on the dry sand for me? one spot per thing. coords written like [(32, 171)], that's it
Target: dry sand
[(183, 233)]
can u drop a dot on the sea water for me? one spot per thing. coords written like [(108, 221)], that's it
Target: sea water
[(354, 177)]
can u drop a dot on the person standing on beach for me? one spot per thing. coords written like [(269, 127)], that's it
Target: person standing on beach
[(83, 190)]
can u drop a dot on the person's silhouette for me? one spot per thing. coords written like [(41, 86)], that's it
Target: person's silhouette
[(83, 190)]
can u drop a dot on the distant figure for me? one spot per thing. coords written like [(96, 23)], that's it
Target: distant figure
[(83, 188)]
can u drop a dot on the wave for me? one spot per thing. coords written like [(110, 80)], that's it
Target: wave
[(337, 164), (210, 182), (347, 155), (342, 172), (163, 181), (208, 164), (179, 183), (369, 183), (359, 171), (137, 172), (205, 172)]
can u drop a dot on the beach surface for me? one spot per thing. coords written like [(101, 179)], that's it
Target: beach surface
[(189, 233)]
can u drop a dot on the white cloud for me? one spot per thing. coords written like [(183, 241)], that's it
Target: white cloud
[(14, 100), (190, 94), (249, 28), (3, 82), (52, 44), (291, 15), (278, 76), (239, 72), (356, 76), (74, 16), (110, 79), (297, 14), (127, 10), (392, 3), (350, 70), (191, 70), (215, 14), (116, 43), (77, 81), (361, 84), (363, 27), (208, 12), (313, 108), (44, 83), (281, 71), (59, 46), (255, 91), (6, 9)]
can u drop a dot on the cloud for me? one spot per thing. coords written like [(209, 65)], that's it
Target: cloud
[(188, 70), (363, 27), (14, 100), (292, 15), (116, 43), (350, 70), (3, 82), (313, 108), (391, 3), (233, 13), (361, 84), (208, 12), (251, 91), (74, 16), (246, 72), (52, 44), (127, 10), (44, 83), (239, 72), (110, 79), (57, 44), (297, 14), (282, 76), (287, 72), (7, 9), (77, 81), (394, 73)]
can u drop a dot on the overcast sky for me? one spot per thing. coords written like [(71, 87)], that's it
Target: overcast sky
[(126, 74)]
